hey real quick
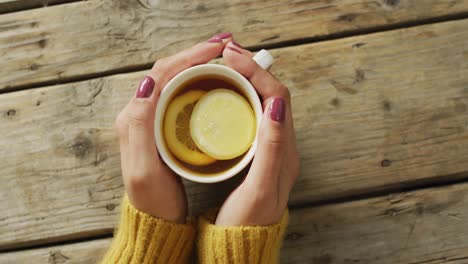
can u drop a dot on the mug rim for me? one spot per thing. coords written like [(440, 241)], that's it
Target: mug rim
[(163, 101)]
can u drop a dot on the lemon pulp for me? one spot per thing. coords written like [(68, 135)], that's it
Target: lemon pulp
[(222, 124), (177, 129)]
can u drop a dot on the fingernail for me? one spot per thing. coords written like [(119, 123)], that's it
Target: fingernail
[(277, 109), (215, 40), (219, 37), (234, 49), (237, 44), (146, 88)]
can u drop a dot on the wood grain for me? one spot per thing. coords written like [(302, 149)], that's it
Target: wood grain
[(92, 38), (374, 112), (18, 5), (427, 226), (85, 252)]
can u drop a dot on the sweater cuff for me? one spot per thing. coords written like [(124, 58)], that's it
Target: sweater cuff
[(142, 238), (243, 244)]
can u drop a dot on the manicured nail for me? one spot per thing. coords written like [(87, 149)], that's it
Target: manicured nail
[(219, 37), (237, 44), (277, 109), (215, 40), (223, 35), (146, 88), (234, 49)]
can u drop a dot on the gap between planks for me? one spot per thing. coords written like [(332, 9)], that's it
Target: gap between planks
[(445, 183), (11, 6), (410, 186), (254, 48), (390, 229)]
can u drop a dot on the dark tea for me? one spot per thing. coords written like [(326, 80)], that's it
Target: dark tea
[(184, 101)]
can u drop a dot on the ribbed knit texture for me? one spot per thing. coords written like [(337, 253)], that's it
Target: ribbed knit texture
[(245, 244), (142, 238)]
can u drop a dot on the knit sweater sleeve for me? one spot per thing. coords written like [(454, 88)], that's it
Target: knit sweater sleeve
[(142, 238), (244, 244)]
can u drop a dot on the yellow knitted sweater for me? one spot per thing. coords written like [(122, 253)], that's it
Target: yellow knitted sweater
[(142, 238)]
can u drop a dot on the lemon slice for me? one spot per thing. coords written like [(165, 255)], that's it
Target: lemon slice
[(223, 124), (177, 129)]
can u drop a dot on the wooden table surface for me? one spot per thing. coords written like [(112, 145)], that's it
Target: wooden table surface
[(379, 91)]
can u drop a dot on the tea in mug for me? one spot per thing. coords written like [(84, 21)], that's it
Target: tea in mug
[(208, 125)]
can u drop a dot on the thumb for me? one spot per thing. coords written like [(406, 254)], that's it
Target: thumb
[(271, 147), (140, 113)]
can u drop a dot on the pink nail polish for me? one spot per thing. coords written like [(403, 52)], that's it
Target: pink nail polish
[(234, 49), (223, 35), (219, 37), (277, 109), (237, 44), (146, 88), (215, 40)]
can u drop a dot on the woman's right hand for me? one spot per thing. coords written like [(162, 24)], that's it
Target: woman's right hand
[(262, 197), (151, 186)]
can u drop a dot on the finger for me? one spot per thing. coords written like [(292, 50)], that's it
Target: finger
[(264, 82), (142, 157), (121, 128), (135, 125), (272, 145), (165, 69), (236, 47)]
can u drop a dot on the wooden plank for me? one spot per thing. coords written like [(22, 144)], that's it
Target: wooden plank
[(374, 112), (7, 6), (427, 226), (85, 252), (64, 43)]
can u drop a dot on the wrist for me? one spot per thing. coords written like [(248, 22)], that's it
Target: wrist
[(168, 211), (245, 217)]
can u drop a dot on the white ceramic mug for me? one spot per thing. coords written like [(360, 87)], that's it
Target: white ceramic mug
[(264, 59)]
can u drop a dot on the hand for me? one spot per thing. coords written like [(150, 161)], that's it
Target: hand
[(262, 197), (151, 186)]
